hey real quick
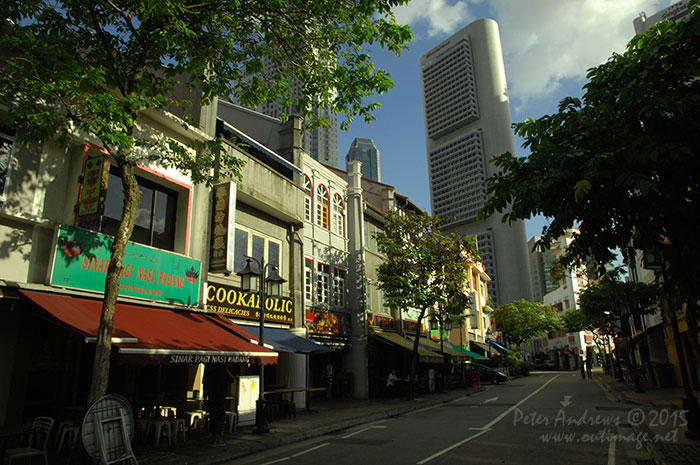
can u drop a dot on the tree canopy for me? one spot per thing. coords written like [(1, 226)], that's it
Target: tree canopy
[(522, 319), (621, 163), (424, 269), (92, 69)]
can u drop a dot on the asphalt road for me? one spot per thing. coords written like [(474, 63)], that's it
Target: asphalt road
[(550, 418)]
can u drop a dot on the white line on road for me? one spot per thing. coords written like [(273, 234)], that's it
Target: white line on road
[(487, 427), (361, 431), (489, 400), (611, 453), (310, 450)]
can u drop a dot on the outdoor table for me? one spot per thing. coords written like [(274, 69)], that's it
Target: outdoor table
[(307, 390)]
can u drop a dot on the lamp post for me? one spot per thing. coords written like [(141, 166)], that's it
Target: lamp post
[(625, 321), (267, 283), (655, 259), (445, 324)]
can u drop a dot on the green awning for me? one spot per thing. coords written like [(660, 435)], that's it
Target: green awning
[(473, 355)]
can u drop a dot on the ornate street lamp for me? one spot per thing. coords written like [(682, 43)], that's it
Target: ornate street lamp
[(266, 284)]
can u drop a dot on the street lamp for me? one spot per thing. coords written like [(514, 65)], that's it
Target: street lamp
[(488, 341), (445, 325), (655, 259), (626, 327), (267, 283)]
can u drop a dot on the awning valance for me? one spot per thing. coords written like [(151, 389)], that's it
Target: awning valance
[(283, 340), (479, 347), (471, 354), (446, 348), (173, 336), (498, 347), (425, 355)]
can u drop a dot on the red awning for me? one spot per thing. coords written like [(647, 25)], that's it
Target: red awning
[(180, 336)]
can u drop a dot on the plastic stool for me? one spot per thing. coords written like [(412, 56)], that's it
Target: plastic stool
[(159, 426), (71, 433), (177, 425), (232, 418)]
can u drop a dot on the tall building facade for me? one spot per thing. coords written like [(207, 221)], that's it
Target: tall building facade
[(467, 119), (321, 143), (365, 151), (675, 12)]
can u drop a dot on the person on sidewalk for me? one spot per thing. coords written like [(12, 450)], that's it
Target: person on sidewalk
[(216, 381), (391, 380), (581, 367), (589, 366)]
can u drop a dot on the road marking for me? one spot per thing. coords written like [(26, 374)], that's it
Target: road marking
[(361, 431), (486, 427), (611, 453), (566, 402), (297, 454), (275, 461), (489, 400)]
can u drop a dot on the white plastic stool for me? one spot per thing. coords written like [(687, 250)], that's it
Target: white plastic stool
[(71, 433), (232, 421), (177, 425), (159, 426)]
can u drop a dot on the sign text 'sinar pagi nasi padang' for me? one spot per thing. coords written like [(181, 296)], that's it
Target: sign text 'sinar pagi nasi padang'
[(244, 305), (81, 259)]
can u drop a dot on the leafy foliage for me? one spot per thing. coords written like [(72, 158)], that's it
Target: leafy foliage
[(98, 69), (622, 163), (521, 320)]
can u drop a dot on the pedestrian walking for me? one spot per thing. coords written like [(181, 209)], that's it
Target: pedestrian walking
[(581, 367), (589, 366), (216, 381)]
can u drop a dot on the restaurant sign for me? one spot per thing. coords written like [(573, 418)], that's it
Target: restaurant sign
[(380, 321), (330, 324), (222, 228), (81, 259), (245, 305)]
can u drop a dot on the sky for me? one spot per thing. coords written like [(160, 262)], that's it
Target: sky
[(547, 45)]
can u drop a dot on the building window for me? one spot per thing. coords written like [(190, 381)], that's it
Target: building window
[(322, 213), (308, 279), (7, 142), (323, 283), (307, 199), (338, 215), (368, 296), (255, 245), (155, 220), (338, 287), (382, 305)]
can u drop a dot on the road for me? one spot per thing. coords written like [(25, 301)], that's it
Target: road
[(548, 417)]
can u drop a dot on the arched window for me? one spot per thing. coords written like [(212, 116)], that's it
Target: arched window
[(338, 215), (307, 199), (322, 208)]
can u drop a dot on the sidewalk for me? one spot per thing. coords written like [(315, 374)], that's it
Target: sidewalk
[(326, 416), (658, 418)]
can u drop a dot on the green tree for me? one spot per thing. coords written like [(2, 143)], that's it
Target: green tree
[(94, 68), (621, 163), (522, 319), (422, 269)]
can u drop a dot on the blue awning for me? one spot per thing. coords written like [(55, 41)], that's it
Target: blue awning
[(284, 340), (498, 346)]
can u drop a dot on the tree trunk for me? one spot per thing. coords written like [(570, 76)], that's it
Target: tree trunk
[(691, 318), (132, 195), (414, 359)]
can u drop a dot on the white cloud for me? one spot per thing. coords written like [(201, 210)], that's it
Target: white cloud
[(544, 41), (439, 17)]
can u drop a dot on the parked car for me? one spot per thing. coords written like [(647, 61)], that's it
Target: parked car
[(487, 375), (546, 365)]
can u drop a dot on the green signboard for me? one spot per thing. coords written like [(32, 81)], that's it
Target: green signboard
[(82, 257)]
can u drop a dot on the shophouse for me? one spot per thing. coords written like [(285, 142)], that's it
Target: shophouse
[(55, 230)]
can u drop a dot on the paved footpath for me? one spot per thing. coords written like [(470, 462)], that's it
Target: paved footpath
[(326, 416), (657, 416)]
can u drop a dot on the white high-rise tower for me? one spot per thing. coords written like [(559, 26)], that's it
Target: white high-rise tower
[(467, 119)]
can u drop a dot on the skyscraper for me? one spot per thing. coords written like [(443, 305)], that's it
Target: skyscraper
[(365, 151), (321, 143), (467, 119), (679, 10)]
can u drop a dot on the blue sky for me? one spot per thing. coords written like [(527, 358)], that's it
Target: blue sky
[(547, 45)]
